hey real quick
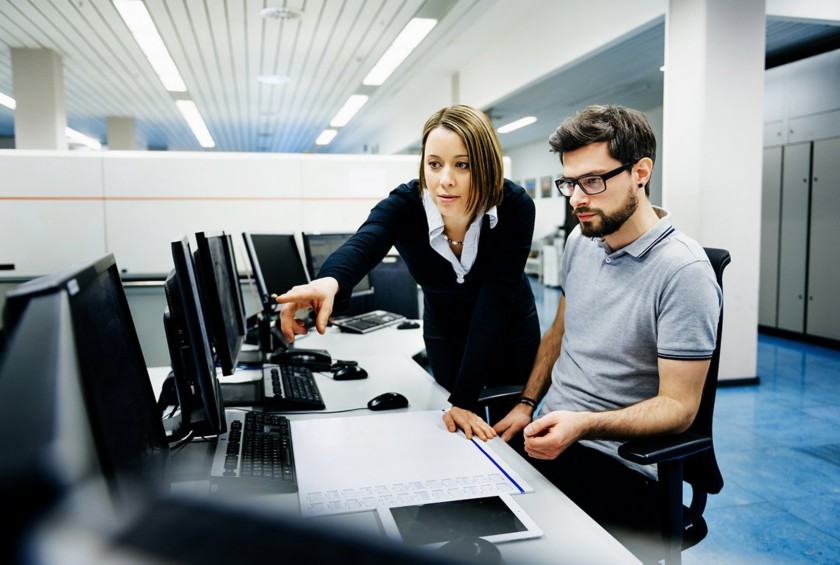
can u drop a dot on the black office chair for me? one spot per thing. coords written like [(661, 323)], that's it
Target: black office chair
[(497, 401), (688, 457), (394, 289)]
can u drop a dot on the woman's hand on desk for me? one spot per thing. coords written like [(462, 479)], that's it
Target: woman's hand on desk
[(319, 295), (472, 425)]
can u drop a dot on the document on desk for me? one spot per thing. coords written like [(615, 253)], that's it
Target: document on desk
[(354, 464)]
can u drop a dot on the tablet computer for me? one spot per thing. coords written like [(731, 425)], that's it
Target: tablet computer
[(495, 518)]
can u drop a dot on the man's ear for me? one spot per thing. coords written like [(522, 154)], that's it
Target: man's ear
[(642, 171)]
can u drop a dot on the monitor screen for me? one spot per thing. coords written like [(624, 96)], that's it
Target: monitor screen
[(99, 347), (198, 388), (279, 260), (221, 300), (256, 270), (319, 246)]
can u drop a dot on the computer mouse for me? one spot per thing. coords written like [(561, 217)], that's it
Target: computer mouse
[(388, 401), (471, 550), (350, 373), (408, 325)]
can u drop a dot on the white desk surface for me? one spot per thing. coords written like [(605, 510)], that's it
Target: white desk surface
[(570, 535)]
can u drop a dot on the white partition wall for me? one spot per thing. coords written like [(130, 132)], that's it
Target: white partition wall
[(59, 208), (51, 210)]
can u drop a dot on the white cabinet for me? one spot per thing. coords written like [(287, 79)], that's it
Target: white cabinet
[(823, 305), (800, 258)]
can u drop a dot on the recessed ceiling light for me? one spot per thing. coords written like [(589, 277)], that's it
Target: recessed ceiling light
[(273, 79), (326, 136), (281, 13), (520, 123), (353, 105)]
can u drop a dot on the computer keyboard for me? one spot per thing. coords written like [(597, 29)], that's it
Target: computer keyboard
[(364, 323), (290, 387), (256, 452)]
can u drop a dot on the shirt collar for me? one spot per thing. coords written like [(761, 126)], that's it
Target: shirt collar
[(435, 220), (648, 240)]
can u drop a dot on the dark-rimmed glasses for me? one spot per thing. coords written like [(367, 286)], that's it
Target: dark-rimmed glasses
[(589, 184)]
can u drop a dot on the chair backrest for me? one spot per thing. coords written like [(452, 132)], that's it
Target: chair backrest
[(394, 289), (701, 470)]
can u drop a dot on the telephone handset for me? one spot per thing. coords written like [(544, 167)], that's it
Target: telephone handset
[(315, 359)]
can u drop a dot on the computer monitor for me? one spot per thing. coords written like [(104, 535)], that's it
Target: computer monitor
[(198, 388), (75, 396), (268, 305), (221, 298), (319, 246), (279, 261)]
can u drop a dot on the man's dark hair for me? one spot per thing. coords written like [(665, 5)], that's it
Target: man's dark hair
[(627, 132)]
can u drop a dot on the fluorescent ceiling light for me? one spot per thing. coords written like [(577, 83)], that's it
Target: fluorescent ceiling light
[(7, 101), (273, 79), (78, 137), (326, 136), (520, 123), (409, 38), (139, 22), (353, 105), (196, 123)]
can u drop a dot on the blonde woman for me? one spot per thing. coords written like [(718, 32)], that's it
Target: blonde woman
[(464, 232)]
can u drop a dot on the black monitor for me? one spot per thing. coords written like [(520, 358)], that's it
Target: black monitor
[(75, 396), (221, 298), (319, 246), (198, 388), (279, 261), (266, 302)]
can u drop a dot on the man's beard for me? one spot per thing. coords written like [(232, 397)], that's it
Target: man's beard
[(611, 223)]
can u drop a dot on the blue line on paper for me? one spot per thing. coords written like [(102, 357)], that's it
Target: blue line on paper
[(499, 467)]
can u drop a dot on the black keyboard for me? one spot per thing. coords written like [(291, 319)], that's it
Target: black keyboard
[(290, 387), (256, 452), (364, 323)]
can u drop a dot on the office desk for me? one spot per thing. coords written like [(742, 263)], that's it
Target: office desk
[(570, 535)]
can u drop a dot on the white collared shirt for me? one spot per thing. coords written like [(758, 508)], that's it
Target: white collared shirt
[(438, 242)]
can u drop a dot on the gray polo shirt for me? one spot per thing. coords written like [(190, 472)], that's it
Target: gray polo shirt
[(657, 297)]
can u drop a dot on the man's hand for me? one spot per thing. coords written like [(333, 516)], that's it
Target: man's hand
[(318, 295), (549, 436), (472, 425), (518, 417)]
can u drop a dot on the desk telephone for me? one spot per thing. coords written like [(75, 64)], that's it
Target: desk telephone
[(315, 359)]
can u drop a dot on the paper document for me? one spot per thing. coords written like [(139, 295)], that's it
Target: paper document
[(358, 463)]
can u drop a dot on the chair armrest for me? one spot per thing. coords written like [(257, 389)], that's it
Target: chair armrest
[(647, 451), (498, 392)]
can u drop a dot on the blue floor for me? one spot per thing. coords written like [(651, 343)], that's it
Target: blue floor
[(778, 447)]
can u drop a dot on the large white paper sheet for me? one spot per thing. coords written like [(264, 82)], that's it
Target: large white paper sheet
[(355, 464)]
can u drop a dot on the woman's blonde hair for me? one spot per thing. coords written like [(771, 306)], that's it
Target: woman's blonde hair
[(483, 149)]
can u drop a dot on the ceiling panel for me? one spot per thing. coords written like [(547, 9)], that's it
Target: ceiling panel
[(222, 46)]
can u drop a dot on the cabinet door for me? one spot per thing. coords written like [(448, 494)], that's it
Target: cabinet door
[(771, 200), (793, 243), (824, 255)]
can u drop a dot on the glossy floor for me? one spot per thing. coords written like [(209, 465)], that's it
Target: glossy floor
[(778, 447)]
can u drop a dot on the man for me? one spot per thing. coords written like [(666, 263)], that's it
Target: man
[(628, 351)]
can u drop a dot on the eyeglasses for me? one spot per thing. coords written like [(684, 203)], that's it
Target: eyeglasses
[(589, 184)]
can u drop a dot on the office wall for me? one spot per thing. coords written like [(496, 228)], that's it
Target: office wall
[(61, 208)]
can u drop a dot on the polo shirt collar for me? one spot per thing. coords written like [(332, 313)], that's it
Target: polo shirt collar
[(658, 233)]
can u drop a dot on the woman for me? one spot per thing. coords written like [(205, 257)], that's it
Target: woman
[(464, 233)]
